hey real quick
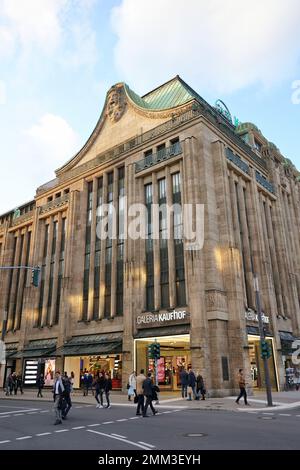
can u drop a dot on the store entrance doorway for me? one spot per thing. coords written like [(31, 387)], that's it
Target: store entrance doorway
[(174, 357)]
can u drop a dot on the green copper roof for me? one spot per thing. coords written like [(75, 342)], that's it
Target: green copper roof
[(170, 95)]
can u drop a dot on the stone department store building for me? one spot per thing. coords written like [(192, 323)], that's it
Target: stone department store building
[(100, 303)]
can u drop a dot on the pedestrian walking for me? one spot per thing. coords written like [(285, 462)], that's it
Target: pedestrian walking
[(148, 392), (184, 382), (40, 384), (14, 383), (132, 385), (8, 385), (191, 385), (99, 389), (140, 392), (72, 379), (90, 383), (66, 395), (107, 389), (85, 381), (58, 390), (200, 387), (242, 385), (19, 383)]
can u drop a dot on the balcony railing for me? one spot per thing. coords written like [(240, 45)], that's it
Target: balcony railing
[(264, 182), (59, 201), (160, 156), (237, 161), (22, 218)]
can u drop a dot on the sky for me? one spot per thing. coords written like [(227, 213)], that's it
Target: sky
[(58, 58)]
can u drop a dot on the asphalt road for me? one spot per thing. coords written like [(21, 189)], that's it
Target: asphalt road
[(29, 425)]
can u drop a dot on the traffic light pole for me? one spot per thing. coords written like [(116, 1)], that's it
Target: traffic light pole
[(262, 339), (19, 267), (2, 359), (35, 272), (156, 372)]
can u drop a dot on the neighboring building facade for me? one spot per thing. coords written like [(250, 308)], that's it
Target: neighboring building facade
[(101, 302)]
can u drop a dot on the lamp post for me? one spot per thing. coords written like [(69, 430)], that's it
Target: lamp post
[(262, 340), (3, 333)]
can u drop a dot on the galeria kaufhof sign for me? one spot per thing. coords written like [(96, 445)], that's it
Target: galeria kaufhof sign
[(162, 318)]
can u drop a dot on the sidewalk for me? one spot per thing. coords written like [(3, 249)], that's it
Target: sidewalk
[(258, 402)]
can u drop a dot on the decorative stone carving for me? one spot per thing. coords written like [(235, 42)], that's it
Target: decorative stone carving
[(216, 300), (116, 103)]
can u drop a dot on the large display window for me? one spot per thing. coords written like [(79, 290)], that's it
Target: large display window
[(257, 365), (174, 356), (80, 365)]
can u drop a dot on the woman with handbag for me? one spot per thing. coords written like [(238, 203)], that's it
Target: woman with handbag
[(132, 385)]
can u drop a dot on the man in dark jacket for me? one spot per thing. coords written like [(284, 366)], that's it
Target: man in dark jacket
[(19, 384), (192, 383), (58, 390), (107, 388), (99, 384), (40, 385), (148, 392), (184, 382), (67, 395)]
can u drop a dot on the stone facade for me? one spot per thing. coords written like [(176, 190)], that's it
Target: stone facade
[(251, 198)]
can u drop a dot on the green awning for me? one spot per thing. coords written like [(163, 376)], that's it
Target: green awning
[(91, 345), (32, 353), (36, 348)]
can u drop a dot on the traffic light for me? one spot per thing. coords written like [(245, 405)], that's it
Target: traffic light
[(151, 351), (35, 275), (154, 351), (265, 349), (156, 348)]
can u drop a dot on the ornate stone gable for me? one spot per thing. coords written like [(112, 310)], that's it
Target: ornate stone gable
[(116, 103)]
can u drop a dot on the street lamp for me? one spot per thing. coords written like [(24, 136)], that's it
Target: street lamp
[(3, 333), (262, 341)]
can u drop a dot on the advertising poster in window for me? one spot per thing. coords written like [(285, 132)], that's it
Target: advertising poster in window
[(161, 370), (49, 372)]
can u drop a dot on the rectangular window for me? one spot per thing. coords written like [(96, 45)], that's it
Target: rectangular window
[(60, 270), (149, 250), (148, 156), (17, 263), (178, 242), (87, 252), (163, 244), (108, 253), (120, 242), (25, 276), (43, 273), (160, 152)]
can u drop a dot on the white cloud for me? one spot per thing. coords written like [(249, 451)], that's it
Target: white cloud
[(33, 22), (41, 149), (220, 45), (2, 92), (50, 142), (83, 50), (48, 26)]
